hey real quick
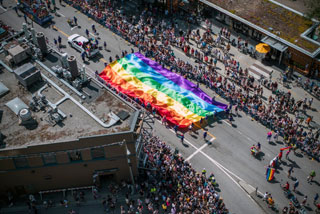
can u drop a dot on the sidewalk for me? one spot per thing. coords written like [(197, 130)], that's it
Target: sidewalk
[(21, 206), (246, 61)]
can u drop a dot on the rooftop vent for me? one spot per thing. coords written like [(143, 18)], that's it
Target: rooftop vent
[(27, 74), (25, 115), (73, 66)]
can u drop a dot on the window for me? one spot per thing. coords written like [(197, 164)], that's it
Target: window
[(75, 156), (49, 159), (21, 162), (97, 153)]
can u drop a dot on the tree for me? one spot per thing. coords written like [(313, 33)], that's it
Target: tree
[(313, 9)]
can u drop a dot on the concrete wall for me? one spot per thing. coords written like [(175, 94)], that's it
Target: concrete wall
[(62, 175), (66, 173)]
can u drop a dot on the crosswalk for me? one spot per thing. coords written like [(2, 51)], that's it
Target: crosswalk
[(259, 70)]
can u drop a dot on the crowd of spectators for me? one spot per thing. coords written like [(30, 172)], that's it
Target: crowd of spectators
[(156, 37), (170, 186)]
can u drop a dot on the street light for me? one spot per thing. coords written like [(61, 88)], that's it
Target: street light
[(129, 162)]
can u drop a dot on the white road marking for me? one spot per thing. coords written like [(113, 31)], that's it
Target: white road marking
[(92, 34), (3, 8), (73, 27), (185, 140), (197, 151), (227, 172), (245, 136), (60, 14), (238, 131), (222, 168), (226, 122)]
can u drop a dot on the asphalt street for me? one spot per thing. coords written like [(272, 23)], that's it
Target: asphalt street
[(226, 152)]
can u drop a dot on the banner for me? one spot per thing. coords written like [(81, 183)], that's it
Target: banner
[(285, 148)]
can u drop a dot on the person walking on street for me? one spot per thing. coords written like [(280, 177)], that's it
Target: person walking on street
[(310, 102), (205, 135), (190, 128), (182, 137), (287, 153), (87, 33), (290, 171), (164, 118), (286, 186), (94, 28), (56, 44), (204, 171), (16, 9), (230, 118), (311, 176), (175, 128), (105, 45), (276, 135), (59, 41), (25, 18), (308, 120), (296, 184), (75, 20), (304, 201), (83, 56), (265, 196), (316, 197), (269, 135)]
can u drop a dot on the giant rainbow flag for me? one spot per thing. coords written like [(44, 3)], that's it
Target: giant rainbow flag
[(173, 96)]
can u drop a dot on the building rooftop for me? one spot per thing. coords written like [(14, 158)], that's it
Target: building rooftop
[(273, 18), (98, 101)]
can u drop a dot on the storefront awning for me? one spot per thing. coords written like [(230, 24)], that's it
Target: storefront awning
[(274, 44)]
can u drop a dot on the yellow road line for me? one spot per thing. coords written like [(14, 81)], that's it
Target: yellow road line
[(60, 31), (205, 130), (103, 60)]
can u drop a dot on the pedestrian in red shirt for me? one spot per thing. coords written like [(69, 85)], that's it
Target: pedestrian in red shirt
[(185, 50)]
